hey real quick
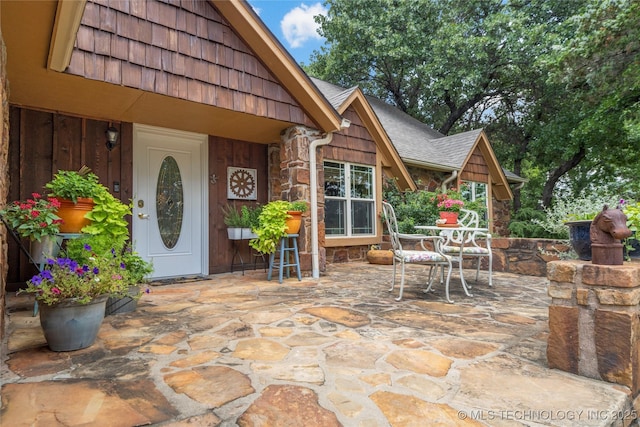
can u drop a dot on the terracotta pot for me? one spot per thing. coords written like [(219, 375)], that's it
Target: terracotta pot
[(294, 222), (72, 214), (380, 256), (450, 217)]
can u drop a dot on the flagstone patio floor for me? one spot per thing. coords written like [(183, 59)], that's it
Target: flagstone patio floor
[(234, 349)]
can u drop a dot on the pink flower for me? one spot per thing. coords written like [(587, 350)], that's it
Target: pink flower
[(55, 291)]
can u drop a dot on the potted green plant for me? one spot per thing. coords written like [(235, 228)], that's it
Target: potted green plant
[(75, 191), (108, 217), (36, 220), (240, 222), (72, 295), (273, 224)]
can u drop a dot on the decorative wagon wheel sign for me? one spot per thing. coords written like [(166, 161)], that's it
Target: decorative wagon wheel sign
[(242, 183)]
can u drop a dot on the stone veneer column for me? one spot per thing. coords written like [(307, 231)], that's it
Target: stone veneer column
[(294, 183), (4, 173), (594, 321)]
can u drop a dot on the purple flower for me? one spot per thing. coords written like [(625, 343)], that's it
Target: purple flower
[(36, 280), (46, 275), (87, 247), (96, 270)]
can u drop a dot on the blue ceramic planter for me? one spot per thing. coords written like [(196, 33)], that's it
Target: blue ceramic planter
[(580, 238), (69, 326)]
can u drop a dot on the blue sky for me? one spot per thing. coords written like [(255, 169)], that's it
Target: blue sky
[(291, 21)]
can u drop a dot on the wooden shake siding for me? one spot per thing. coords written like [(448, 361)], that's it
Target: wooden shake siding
[(353, 144), (181, 49), (476, 168)]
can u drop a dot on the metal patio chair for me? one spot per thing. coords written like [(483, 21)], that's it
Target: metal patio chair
[(432, 257), (470, 241)]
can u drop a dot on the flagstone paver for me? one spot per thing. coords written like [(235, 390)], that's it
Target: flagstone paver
[(236, 349)]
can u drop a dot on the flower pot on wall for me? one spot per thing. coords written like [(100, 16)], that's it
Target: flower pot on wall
[(294, 222), (69, 326), (72, 214), (580, 238), (450, 217)]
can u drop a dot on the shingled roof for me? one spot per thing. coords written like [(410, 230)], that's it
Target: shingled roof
[(420, 145)]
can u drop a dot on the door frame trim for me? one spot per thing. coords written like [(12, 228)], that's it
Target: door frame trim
[(203, 141)]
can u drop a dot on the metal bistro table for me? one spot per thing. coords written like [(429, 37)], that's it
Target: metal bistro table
[(458, 255)]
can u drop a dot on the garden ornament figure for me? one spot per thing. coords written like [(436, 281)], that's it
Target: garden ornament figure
[(607, 229)]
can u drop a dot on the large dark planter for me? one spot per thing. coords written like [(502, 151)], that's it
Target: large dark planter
[(69, 326), (580, 238), (634, 251), (124, 304)]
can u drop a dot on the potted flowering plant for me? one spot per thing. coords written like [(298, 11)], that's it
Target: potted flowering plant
[(73, 295), (36, 220), (449, 205)]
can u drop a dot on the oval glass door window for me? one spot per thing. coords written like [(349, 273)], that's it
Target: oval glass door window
[(169, 202)]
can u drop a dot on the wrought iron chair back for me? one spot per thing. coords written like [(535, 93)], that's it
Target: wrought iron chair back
[(432, 256)]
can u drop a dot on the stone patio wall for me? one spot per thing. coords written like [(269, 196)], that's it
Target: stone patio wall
[(594, 321), (510, 255)]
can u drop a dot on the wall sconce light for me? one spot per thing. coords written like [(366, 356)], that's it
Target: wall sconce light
[(112, 137)]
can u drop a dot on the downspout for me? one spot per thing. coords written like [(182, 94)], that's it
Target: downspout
[(313, 183), (453, 176)]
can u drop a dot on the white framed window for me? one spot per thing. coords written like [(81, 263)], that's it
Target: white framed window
[(349, 205), (475, 192)]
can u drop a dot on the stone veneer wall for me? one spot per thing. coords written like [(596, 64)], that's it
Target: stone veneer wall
[(518, 256), (594, 321), (4, 174), (289, 174)]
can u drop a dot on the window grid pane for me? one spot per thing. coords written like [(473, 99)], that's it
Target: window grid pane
[(349, 199)]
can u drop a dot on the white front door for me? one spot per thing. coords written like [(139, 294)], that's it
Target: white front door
[(169, 201)]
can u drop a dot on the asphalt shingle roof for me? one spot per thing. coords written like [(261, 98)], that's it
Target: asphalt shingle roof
[(415, 141)]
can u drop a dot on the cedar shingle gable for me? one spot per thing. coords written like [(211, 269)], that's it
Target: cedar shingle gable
[(185, 51)]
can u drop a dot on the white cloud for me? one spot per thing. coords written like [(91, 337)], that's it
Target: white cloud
[(298, 25)]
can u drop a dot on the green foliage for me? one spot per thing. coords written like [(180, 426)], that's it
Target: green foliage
[(632, 211), (136, 269), (108, 217), (246, 217), (525, 224), (71, 184), (412, 207), (299, 206), (272, 225), (585, 207)]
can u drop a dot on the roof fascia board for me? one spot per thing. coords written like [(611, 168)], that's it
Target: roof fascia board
[(68, 16), (279, 62), (369, 118)]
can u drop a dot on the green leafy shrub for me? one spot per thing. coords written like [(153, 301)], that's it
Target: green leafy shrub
[(584, 207), (73, 184)]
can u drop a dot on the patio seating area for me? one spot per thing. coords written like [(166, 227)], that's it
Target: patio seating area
[(234, 349)]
